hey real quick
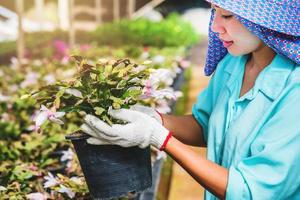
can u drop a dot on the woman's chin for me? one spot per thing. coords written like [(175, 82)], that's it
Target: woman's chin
[(235, 52)]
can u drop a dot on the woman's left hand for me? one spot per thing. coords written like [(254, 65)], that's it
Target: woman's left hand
[(141, 130)]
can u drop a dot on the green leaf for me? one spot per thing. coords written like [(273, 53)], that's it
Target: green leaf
[(106, 118), (78, 59), (121, 84), (132, 93), (99, 110), (117, 100), (58, 95), (111, 82), (108, 70), (25, 96), (116, 105)]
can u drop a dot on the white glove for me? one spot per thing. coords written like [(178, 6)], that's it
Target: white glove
[(149, 111), (141, 130)]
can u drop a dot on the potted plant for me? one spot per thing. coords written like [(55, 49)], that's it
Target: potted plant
[(110, 171)]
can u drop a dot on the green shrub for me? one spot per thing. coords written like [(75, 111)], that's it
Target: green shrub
[(173, 31)]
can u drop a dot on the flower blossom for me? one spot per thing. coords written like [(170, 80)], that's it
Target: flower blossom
[(162, 106), (67, 156), (74, 92), (68, 191), (30, 79), (4, 98), (165, 76), (150, 91), (2, 188), (45, 114), (50, 181), (158, 59), (37, 196), (49, 79)]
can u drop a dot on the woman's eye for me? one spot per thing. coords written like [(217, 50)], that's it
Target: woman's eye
[(227, 16)]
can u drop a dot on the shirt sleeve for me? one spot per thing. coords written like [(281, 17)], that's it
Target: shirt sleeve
[(202, 109), (272, 169)]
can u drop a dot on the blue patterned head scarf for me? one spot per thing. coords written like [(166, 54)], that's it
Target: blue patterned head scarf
[(275, 22)]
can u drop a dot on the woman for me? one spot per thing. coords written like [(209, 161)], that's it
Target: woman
[(248, 115)]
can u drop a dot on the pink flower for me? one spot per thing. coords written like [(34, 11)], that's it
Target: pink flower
[(61, 49), (45, 114), (85, 47), (185, 63)]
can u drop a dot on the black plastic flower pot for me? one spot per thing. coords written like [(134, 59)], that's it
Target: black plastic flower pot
[(112, 171)]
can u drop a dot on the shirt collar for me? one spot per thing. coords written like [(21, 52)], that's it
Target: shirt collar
[(270, 81)]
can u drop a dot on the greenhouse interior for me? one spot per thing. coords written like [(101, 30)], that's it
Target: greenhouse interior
[(61, 60)]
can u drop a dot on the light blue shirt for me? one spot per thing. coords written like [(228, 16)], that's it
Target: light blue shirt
[(256, 136)]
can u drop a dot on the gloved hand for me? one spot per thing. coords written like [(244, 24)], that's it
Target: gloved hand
[(149, 111), (141, 130)]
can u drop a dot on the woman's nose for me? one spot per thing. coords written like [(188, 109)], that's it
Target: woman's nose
[(217, 26)]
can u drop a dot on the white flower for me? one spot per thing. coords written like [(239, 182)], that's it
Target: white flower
[(158, 59), (37, 196), (67, 155), (162, 106), (144, 55), (50, 79), (150, 86), (45, 114), (50, 181), (139, 68), (74, 92), (30, 79), (66, 190), (165, 76), (68, 73), (4, 98), (2, 188), (164, 93)]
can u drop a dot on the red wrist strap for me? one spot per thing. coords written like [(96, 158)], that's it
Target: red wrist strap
[(162, 119), (166, 141)]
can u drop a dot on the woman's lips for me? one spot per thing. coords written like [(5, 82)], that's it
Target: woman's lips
[(227, 44)]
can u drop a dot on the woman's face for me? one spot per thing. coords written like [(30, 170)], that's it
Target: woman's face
[(235, 37)]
